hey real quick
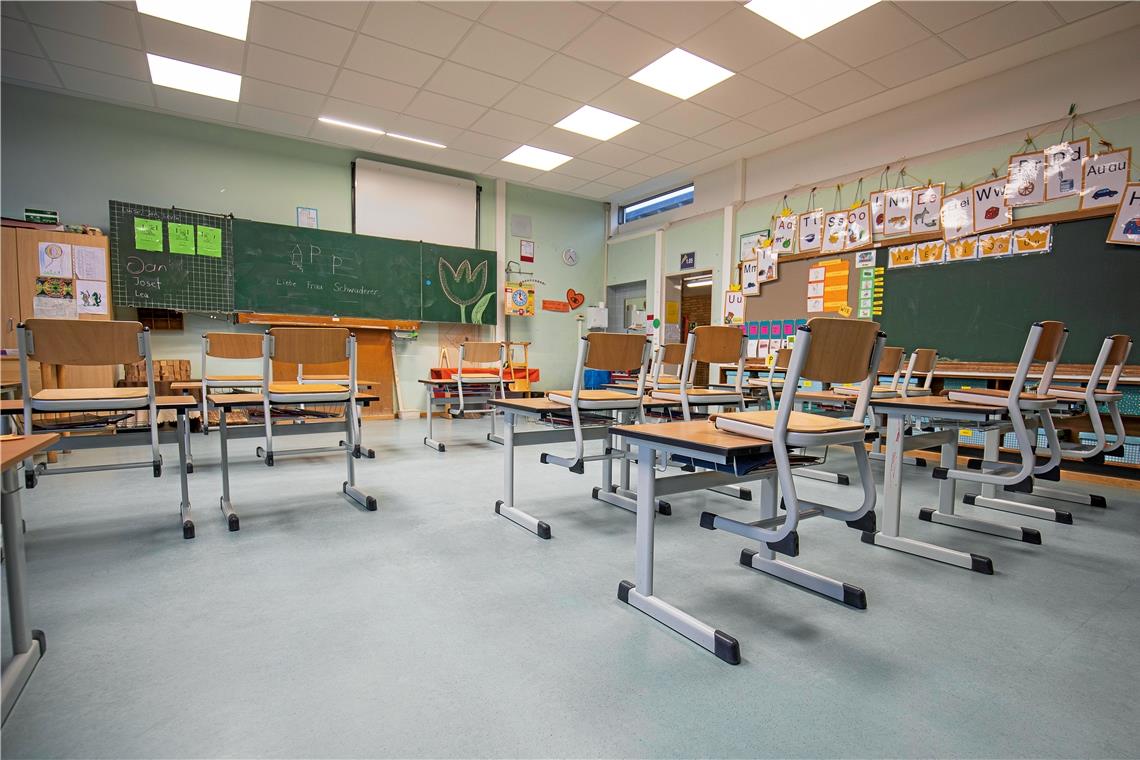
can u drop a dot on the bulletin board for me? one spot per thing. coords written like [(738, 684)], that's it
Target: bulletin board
[(786, 298)]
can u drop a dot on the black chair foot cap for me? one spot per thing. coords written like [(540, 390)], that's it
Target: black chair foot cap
[(40, 637), (1117, 452), (1031, 536), (868, 537), (688, 468), (234, 524), (594, 493), (188, 529), (973, 464), (370, 503), (1096, 459), (864, 523), (842, 479), (189, 468), (543, 530), (920, 463), (789, 544), (939, 473), (853, 596), (726, 647), (1065, 518), (1097, 501), (926, 514), (664, 507), (1022, 486), (623, 591), (746, 556), (579, 468), (1053, 474), (707, 519), (498, 504), (542, 458), (980, 564), (969, 498), (745, 494)]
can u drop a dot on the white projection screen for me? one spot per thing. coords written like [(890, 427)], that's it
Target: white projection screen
[(409, 204)]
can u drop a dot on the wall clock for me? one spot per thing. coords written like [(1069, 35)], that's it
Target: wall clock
[(570, 257)]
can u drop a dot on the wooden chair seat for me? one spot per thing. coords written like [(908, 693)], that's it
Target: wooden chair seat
[(298, 388), (90, 394), (484, 375), (600, 399), (759, 424), (700, 396), (1000, 396), (233, 378), (762, 382), (879, 391), (1078, 394)]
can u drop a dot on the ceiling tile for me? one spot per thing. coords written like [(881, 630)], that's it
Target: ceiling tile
[(445, 110), (298, 35), (648, 138), (555, 181), (280, 98), (383, 59), (584, 170), (390, 146), (492, 51), (624, 178), (674, 21), (732, 134), (796, 68), (352, 85), (537, 104), (736, 96), (572, 78), (598, 190), (346, 14), (1078, 9), (411, 126), (11, 10), (614, 156), (562, 141), (17, 38), (919, 60), (617, 47), (483, 145), (106, 85), (358, 113), (654, 166), (840, 91), (549, 24), (282, 68), (416, 25), (739, 39), (467, 162), (634, 100), (185, 43), (341, 136), (870, 34), (92, 54), (781, 115), (940, 15), (274, 121), (1005, 26), (193, 104), (689, 119), (471, 10), (513, 171), (27, 68), (100, 20), (507, 126), (469, 84), (689, 151)]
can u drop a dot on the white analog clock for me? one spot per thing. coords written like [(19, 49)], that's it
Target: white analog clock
[(570, 257)]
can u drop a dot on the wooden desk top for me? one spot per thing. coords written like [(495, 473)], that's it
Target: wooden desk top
[(16, 448), (1004, 371), (698, 435), (935, 405), (16, 406), (230, 400), (544, 405), (196, 385)]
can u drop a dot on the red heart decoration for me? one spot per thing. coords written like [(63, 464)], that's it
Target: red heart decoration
[(575, 298)]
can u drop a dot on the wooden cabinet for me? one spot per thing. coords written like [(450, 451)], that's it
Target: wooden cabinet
[(9, 287)]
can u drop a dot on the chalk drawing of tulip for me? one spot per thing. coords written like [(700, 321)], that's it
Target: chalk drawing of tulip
[(464, 286)]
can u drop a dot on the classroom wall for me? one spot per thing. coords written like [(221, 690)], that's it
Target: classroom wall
[(705, 236), (74, 155), (632, 261)]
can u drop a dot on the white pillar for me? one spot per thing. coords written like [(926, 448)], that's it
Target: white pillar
[(658, 281), (500, 253)]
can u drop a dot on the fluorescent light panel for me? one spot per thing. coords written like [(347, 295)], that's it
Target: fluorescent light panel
[(228, 17), (804, 18), (536, 158), (191, 77), (350, 125), (416, 140), (681, 74), (596, 123), (697, 283)]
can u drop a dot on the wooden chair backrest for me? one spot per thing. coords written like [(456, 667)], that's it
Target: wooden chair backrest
[(79, 342), (1049, 344), (717, 344), (225, 345), (481, 352), (1118, 351), (783, 359), (840, 350), (925, 360), (673, 353), (615, 352), (310, 345), (890, 360)]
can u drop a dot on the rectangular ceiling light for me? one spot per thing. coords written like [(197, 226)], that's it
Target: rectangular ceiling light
[(228, 17), (416, 140), (804, 18), (698, 283), (191, 77), (596, 123), (536, 158), (350, 125), (682, 74)]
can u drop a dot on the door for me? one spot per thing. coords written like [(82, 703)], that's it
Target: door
[(9, 288)]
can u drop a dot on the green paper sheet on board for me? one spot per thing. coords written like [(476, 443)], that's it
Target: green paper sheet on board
[(148, 234), (181, 237), (209, 241)]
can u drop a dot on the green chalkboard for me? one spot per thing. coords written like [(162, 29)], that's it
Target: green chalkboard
[(982, 310), (296, 270)]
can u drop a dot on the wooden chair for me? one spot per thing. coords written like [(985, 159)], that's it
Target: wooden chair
[(480, 380), (833, 351), (88, 343), (227, 346), (611, 352), (711, 344), (890, 360), (922, 363), (668, 354), (771, 383)]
